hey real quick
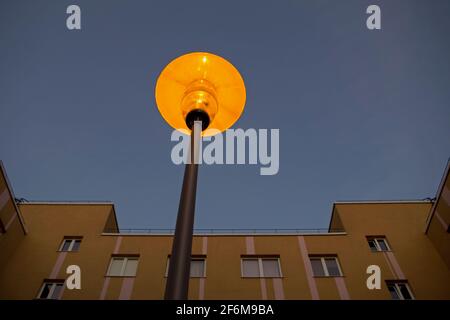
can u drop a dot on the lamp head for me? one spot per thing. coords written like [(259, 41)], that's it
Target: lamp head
[(200, 86)]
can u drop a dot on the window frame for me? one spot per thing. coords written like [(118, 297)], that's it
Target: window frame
[(193, 258), (72, 243), (397, 289), (125, 258), (324, 266), (260, 266), (376, 240), (54, 283), (204, 268)]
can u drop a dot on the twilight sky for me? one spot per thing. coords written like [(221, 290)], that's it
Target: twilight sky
[(363, 115)]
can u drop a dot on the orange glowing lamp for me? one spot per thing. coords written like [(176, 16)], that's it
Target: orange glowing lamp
[(204, 84)]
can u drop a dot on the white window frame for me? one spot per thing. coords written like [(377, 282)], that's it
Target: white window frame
[(398, 291), (124, 265), (377, 245), (324, 265), (166, 274), (52, 290), (260, 266), (72, 242), (204, 268)]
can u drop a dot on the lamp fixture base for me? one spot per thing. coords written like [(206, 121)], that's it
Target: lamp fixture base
[(197, 115)]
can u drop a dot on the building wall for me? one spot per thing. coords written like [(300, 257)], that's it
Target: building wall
[(37, 257), (413, 258), (438, 226), (12, 228)]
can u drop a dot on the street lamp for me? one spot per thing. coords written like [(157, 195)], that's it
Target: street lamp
[(194, 93)]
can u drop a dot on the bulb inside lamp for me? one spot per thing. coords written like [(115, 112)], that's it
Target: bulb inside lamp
[(200, 86)]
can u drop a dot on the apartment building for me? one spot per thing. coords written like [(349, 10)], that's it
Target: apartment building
[(408, 240)]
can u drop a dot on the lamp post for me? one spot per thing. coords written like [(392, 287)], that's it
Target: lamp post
[(195, 93)]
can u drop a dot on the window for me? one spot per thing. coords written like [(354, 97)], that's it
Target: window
[(325, 266), (399, 290), (250, 268), (378, 244), (51, 290), (70, 244), (197, 270), (261, 267), (123, 266)]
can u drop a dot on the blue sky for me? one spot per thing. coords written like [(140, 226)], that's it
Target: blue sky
[(363, 115)]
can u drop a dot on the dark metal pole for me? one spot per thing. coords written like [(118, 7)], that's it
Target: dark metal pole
[(180, 261)]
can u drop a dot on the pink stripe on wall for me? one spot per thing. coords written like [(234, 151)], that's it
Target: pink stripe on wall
[(342, 288), (62, 291), (309, 273), (117, 246), (394, 263), (250, 249), (443, 223), (250, 245), (104, 288), (11, 220), (201, 287), (58, 264), (262, 283), (127, 288), (389, 264), (278, 288), (4, 198), (107, 279), (204, 245)]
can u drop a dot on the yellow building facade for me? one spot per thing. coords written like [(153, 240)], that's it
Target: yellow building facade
[(405, 245)]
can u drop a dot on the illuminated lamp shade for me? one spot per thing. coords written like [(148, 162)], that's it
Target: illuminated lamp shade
[(204, 84)]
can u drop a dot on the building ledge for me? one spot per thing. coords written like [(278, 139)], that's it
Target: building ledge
[(225, 232)]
